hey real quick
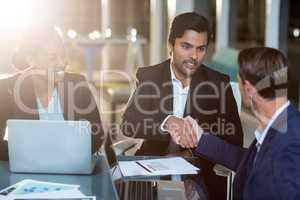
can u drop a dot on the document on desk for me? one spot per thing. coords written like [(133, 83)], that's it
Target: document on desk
[(31, 189), (157, 167)]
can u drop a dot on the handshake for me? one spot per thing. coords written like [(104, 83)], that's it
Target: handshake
[(184, 131)]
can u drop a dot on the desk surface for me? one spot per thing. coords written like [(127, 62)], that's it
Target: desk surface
[(99, 184)]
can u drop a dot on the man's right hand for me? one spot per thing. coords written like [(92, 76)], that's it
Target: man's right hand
[(182, 131), (192, 134), (174, 125)]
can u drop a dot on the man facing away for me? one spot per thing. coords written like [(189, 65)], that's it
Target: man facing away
[(269, 168), (182, 86)]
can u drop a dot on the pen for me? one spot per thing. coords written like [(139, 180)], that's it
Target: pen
[(7, 191), (143, 166)]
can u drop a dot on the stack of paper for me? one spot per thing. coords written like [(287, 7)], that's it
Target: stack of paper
[(157, 167), (30, 189)]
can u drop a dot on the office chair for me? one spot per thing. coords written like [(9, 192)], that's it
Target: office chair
[(219, 169)]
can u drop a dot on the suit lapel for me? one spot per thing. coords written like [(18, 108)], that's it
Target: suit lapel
[(279, 126), (197, 78), (241, 177), (264, 148), (188, 105), (261, 155), (167, 90)]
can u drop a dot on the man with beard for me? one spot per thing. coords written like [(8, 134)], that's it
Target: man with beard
[(182, 86)]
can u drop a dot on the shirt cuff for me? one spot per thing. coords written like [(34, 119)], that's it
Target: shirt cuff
[(163, 124)]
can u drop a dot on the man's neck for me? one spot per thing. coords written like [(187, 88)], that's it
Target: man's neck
[(266, 109), (42, 86), (185, 81)]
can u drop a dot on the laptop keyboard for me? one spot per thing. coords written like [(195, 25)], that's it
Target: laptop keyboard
[(137, 190)]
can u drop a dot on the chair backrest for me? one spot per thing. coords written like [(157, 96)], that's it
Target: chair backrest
[(237, 95), (225, 61)]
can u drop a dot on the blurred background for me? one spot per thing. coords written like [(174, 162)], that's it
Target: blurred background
[(107, 40)]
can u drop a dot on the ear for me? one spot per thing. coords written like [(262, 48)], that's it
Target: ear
[(170, 48), (249, 88)]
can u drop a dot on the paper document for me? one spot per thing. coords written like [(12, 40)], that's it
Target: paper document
[(157, 167), (31, 189), (57, 198)]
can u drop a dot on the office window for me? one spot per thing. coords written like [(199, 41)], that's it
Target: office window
[(293, 50), (208, 9), (247, 23)]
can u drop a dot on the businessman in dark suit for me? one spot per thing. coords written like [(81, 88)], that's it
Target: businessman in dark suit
[(269, 168), (182, 86), (32, 93)]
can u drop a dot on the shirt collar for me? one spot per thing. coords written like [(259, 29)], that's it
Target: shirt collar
[(173, 77), (261, 134)]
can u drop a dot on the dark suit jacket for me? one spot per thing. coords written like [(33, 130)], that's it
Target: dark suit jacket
[(275, 174), (74, 95), (152, 102)]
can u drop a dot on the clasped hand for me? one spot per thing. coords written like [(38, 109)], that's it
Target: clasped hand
[(184, 131)]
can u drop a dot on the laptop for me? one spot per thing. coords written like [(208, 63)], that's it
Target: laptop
[(128, 188), (52, 147)]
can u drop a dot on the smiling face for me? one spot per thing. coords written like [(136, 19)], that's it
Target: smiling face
[(188, 53)]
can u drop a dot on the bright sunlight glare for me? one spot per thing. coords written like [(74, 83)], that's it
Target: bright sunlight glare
[(15, 15)]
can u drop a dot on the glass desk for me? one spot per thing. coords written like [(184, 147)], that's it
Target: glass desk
[(98, 184), (193, 184)]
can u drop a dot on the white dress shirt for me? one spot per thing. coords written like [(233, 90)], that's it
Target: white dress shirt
[(180, 95), (260, 135)]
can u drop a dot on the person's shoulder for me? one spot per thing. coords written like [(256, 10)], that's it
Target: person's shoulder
[(10, 78), (74, 77), (293, 120), (8, 82), (5, 77), (153, 71), (287, 127)]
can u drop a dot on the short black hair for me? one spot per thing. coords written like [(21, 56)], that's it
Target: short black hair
[(188, 21), (265, 68)]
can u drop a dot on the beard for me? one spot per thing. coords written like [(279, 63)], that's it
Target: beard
[(187, 67)]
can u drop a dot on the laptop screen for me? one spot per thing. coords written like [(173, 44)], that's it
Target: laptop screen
[(110, 153), (44, 140), (127, 189)]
